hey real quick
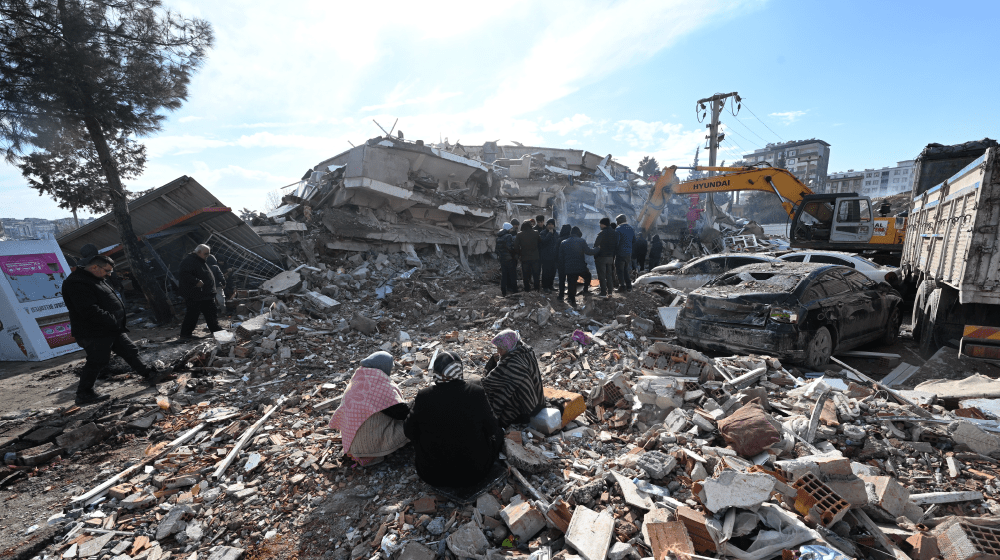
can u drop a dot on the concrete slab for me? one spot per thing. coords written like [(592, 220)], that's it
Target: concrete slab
[(590, 533)]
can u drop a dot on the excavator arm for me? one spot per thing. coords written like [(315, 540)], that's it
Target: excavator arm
[(775, 180)]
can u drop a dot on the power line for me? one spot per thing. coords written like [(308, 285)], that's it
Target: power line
[(743, 137), (750, 129), (762, 122), (737, 144)]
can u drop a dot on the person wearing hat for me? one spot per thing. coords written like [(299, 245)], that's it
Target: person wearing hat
[(456, 437), (508, 264), (623, 257), (197, 286), (548, 249), (606, 244), (513, 381), (371, 414), (97, 321)]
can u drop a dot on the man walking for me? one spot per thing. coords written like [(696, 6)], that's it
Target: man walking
[(606, 244), (97, 321), (626, 236), (198, 289)]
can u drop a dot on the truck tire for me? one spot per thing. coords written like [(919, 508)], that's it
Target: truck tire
[(923, 291), (819, 350), (930, 326)]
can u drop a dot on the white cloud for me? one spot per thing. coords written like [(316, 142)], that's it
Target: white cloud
[(432, 97), (568, 124), (189, 119), (159, 146), (669, 143), (788, 116)]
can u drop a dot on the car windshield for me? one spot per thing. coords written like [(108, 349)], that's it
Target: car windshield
[(763, 281), (866, 261)]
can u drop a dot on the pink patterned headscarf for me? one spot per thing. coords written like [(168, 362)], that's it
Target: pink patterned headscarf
[(506, 340), (370, 391)]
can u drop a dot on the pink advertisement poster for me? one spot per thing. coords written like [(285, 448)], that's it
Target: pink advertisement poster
[(33, 277)]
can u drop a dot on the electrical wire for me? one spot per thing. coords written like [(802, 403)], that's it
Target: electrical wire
[(743, 137), (737, 145), (763, 123), (743, 124)]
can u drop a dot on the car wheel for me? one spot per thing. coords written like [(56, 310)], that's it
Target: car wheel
[(819, 350), (892, 327)]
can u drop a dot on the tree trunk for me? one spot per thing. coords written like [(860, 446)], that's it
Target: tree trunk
[(76, 221), (133, 250)]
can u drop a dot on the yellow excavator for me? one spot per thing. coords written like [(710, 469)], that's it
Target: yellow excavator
[(836, 221)]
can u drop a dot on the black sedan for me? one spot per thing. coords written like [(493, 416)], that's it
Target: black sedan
[(801, 312)]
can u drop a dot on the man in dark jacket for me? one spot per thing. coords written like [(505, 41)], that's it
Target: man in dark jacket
[(548, 249), (526, 246), (564, 234), (456, 437), (508, 266), (605, 244), (220, 281), (655, 252), (97, 321), (573, 255), (197, 286), (623, 257), (540, 223), (639, 253)]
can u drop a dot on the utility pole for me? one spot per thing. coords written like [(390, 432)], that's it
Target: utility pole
[(717, 101)]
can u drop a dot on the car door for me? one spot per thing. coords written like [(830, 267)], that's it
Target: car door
[(698, 274), (866, 294), (846, 311), (852, 221)]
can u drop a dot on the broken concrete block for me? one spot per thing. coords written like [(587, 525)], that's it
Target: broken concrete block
[(696, 525), (524, 459), (488, 505), (620, 550), (523, 520), (283, 282), (664, 392), (427, 504), (834, 466), (590, 533), (655, 515), (670, 538), (925, 547), (94, 545), (749, 431), (704, 424), (174, 521), (630, 492), (363, 324), (39, 455), (251, 327), (559, 515), (42, 435), (889, 495), (974, 437), (644, 326), (468, 542), (225, 553), (416, 551), (322, 302), (656, 463), (698, 472), (547, 421), (120, 491), (818, 502), (965, 541), (677, 421), (734, 489), (852, 491), (139, 500)]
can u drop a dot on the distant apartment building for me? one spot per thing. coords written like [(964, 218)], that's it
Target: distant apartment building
[(38, 228), (806, 159), (844, 182), (888, 180)]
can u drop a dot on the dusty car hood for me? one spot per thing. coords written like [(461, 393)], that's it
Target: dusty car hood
[(708, 304)]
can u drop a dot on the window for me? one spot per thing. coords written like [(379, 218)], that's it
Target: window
[(905, 171), (794, 258), (830, 259), (834, 284), (895, 180), (707, 266), (854, 211), (791, 152), (735, 262), (896, 172), (858, 281)]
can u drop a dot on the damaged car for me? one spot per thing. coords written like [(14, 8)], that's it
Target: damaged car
[(698, 272), (800, 312)]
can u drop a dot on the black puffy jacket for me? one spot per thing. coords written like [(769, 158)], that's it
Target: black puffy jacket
[(548, 245), (193, 268), (606, 243), (95, 310), (505, 245)]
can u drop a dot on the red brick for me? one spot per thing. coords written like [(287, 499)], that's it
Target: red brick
[(819, 503)]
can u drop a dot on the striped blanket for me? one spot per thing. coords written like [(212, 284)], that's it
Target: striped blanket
[(514, 387)]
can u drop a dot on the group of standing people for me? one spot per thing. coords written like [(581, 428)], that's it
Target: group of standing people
[(456, 425), (617, 251)]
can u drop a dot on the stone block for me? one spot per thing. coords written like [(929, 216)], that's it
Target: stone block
[(852, 491), (39, 455), (925, 546), (734, 489), (889, 495), (468, 542), (630, 492), (670, 538), (590, 533), (174, 521), (416, 551), (225, 553), (488, 505), (834, 467), (523, 520), (622, 551), (524, 459), (94, 545), (42, 435)]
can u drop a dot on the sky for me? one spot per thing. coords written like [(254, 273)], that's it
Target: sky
[(283, 90)]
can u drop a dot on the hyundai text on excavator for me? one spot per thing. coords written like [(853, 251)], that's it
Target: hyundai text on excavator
[(836, 221)]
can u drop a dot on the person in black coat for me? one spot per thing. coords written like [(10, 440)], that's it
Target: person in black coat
[(573, 254), (606, 244), (197, 286), (655, 252), (220, 280), (97, 321), (548, 249), (508, 262), (639, 252), (455, 435), (564, 234)]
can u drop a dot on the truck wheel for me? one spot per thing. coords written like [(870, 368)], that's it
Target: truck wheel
[(819, 350), (892, 327), (930, 326), (923, 290)]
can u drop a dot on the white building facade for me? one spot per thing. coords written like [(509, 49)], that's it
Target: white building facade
[(888, 181), (849, 181)]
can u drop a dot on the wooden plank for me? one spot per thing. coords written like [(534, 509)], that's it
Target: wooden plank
[(945, 497)]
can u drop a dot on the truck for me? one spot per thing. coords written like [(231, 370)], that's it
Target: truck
[(951, 252)]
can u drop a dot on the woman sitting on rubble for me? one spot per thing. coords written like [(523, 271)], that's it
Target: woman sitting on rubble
[(513, 381), (452, 427), (371, 414)]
